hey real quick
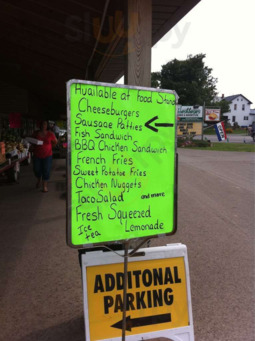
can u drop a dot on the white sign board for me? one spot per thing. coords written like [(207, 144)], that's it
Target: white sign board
[(190, 113)]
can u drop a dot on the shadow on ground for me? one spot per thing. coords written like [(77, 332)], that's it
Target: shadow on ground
[(70, 330)]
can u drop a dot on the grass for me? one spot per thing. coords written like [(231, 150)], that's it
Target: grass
[(228, 147)]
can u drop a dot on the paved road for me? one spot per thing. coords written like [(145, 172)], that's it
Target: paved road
[(216, 222), (40, 276)]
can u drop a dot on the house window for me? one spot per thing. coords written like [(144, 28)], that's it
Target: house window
[(238, 99), (235, 106), (243, 106), (233, 119), (246, 118)]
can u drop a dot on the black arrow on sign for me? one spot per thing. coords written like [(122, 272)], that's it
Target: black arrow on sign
[(148, 124), (143, 321)]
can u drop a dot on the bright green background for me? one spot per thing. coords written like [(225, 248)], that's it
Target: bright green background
[(160, 168)]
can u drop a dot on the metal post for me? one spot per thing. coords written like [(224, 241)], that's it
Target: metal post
[(125, 291), (203, 119)]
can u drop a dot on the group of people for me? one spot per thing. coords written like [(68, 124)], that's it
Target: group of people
[(42, 155)]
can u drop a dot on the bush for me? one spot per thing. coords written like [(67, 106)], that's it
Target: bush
[(202, 143), (229, 130), (187, 142)]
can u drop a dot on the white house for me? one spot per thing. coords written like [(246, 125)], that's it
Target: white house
[(240, 111)]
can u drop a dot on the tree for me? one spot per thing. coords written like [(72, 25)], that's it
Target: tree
[(224, 107), (190, 78), (155, 79)]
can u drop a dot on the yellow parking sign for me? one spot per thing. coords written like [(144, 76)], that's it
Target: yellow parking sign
[(157, 295)]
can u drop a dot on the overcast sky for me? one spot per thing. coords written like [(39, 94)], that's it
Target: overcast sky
[(224, 31)]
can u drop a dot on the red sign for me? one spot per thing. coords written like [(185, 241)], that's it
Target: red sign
[(212, 115)]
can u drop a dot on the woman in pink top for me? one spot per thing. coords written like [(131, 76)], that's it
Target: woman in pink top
[(43, 155)]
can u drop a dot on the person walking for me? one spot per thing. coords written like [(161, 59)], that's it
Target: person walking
[(42, 155)]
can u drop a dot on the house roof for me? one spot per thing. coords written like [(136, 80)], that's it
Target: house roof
[(231, 98), (46, 43)]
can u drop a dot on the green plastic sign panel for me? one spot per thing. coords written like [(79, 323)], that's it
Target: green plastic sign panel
[(121, 163)]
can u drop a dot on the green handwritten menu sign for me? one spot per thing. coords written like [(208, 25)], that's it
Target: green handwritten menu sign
[(121, 162)]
